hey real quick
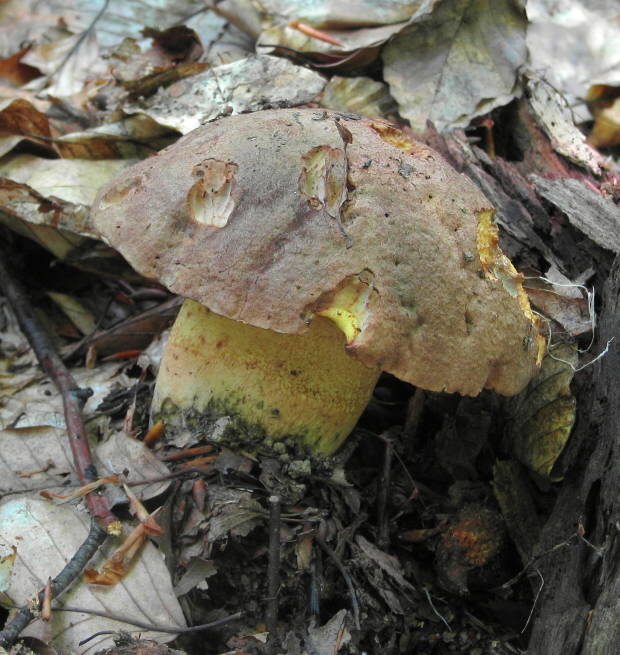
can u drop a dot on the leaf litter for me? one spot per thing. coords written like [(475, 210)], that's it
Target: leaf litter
[(97, 94)]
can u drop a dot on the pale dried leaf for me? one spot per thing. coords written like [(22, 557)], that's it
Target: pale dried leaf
[(145, 594), (71, 61), (42, 453), (460, 63), (128, 18), (573, 44), (39, 404), (71, 180), (328, 639), (250, 84), (196, 573), (556, 119), (122, 454)]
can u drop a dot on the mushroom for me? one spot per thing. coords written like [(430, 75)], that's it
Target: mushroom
[(315, 250)]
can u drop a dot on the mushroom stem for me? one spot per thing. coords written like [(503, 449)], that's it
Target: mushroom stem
[(296, 393)]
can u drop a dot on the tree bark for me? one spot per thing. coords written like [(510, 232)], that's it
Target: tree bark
[(579, 605)]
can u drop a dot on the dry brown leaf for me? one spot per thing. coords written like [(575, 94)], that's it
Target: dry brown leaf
[(606, 130)]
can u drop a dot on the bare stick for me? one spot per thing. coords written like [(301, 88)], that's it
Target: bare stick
[(273, 569), (345, 574), (73, 398), (383, 497)]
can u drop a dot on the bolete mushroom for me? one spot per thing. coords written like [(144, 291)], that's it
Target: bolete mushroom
[(316, 249)]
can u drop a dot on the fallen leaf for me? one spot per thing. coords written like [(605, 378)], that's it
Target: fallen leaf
[(42, 449), (75, 311), (34, 527), (606, 130), (250, 84), (71, 180), (358, 95), (575, 43), (38, 404), (122, 454), (329, 638), (460, 63), (555, 118), (542, 416), (349, 27)]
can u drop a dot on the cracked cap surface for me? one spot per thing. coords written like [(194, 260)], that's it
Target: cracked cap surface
[(273, 217)]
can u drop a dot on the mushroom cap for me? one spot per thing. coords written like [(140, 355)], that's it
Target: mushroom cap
[(273, 217)]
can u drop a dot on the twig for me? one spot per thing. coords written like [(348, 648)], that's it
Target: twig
[(273, 570), (345, 574), (73, 397), (72, 570), (383, 496), (74, 48), (147, 626)]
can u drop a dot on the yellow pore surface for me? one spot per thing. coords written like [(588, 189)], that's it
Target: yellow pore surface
[(303, 388)]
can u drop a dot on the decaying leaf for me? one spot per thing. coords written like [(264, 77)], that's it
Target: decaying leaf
[(566, 303), (512, 489), (460, 63), (606, 130), (75, 311), (328, 639), (359, 95), (71, 180), (384, 573), (342, 27), (122, 454), (575, 43), (554, 117), (33, 457), (542, 416), (233, 512), (33, 401), (34, 527), (251, 84)]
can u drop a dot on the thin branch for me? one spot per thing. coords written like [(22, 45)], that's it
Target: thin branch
[(74, 48), (142, 625), (64, 579), (273, 569), (347, 578), (73, 398), (383, 497)]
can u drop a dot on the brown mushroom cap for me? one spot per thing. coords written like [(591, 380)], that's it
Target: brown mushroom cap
[(272, 217)]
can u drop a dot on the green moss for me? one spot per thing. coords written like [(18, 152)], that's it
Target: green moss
[(239, 434)]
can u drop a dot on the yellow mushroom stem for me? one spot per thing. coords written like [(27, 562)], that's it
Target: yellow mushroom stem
[(299, 393)]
